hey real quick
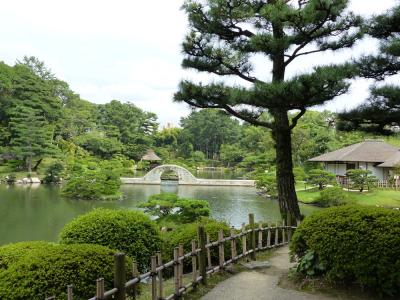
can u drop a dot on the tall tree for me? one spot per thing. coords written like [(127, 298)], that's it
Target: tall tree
[(224, 37), (382, 109)]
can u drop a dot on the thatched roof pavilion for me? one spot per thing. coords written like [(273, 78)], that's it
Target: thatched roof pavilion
[(151, 156)]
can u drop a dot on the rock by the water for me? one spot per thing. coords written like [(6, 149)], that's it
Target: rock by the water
[(254, 265), (35, 180)]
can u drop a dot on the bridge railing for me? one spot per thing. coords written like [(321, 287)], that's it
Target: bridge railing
[(252, 239)]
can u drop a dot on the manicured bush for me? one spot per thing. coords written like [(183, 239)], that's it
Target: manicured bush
[(131, 232), (184, 235), (354, 245), (333, 196), (321, 178), (36, 270)]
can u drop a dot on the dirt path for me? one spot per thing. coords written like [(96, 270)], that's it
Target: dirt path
[(261, 284)]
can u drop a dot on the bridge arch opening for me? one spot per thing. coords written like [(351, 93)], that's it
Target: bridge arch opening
[(169, 176)]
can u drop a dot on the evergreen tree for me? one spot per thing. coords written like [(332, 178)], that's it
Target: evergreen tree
[(382, 109), (32, 136), (224, 37)]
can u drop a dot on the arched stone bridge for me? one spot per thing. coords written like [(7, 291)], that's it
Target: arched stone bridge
[(184, 178)]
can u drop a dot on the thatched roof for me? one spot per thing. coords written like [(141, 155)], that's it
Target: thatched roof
[(150, 156), (368, 151), (393, 161)]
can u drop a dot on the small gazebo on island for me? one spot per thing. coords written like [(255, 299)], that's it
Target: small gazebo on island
[(152, 158)]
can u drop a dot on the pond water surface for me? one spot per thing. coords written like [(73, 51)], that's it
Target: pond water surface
[(39, 212)]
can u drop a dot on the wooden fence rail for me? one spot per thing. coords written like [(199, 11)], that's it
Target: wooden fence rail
[(201, 262)]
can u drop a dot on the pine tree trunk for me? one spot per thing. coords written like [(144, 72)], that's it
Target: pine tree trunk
[(287, 197), (29, 164)]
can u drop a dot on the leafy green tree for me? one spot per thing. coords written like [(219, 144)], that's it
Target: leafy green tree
[(266, 183), (321, 178), (381, 111), (231, 154), (54, 173), (361, 179), (223, 39), (208, 129), (98, 144)]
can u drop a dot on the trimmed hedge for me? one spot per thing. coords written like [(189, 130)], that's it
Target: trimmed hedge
[(354, 245), (333, 196), (184, 234), (131, 232), (36, 270)]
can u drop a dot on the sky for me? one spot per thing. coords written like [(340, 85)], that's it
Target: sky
[(130, 50)]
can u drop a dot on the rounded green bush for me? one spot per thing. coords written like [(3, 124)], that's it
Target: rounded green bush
[(184, 234), (333, 196), (354, 245), (131, 232), (36, 270)]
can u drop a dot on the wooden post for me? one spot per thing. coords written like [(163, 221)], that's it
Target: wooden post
[(153, 277), (276, 234), (221, 249), (289, 221), (252, 237), (283, 232), (209, 263), (70, 293), (260, 236), (100, 288), (135, 274), (203, 255), (176, 271), (194, 264), (160, 276), (119, 276), (269, 235), (180, 265), (244, 242), (233, 244)]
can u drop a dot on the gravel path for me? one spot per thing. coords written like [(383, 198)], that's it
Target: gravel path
[(261, 284)]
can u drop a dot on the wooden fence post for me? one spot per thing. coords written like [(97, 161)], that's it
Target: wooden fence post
[(135, 274), (260, 236), (203, 255), (269, 235), (221, 250), (289, 229), (119, 276), (100, 288), (180, 265), (276, 234), (176, 272), (154, 277), (252, 237), (194, 264), (283, 232), (160, 276), (70, 292), (233, 245), (209, 263), (244, 242)]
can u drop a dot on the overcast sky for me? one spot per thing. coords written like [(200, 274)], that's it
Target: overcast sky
[(129, 49)]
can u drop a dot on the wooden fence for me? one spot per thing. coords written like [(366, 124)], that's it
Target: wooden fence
[(253, 238), (346, 183)]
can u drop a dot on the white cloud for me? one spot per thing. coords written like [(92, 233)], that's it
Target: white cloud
[(126, 49)]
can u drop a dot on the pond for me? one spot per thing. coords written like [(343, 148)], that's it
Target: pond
[(39, 212)]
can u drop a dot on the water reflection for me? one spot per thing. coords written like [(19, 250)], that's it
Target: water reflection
[(39, 213)]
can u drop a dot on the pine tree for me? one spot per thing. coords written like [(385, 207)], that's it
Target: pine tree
[(382, 109), (32, 136), (224, 37)]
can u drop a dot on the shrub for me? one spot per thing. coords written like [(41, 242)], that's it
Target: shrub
[(355, 244), (321, 178), (131, 232), (362, 179), (36, 270), (266, 183), (334, 196), (184, 235), (53, 173)]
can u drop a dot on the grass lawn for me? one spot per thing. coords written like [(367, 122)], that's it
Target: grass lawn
[(380, 197)]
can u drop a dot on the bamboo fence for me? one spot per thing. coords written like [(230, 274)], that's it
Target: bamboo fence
[(201, 262)]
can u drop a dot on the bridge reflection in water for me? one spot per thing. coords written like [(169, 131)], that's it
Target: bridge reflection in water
[(184, 178)]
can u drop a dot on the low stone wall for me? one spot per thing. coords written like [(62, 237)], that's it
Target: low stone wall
[(197, 181)]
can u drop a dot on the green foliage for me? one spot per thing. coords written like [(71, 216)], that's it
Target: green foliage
[(93, 180), (37, 270), (355, 244), (333, 196), (11, 178), (361, 179), (99, 145), (53, 173), (131, 232), (266, 182), (309, 265), (321, 178), (181, 210)]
